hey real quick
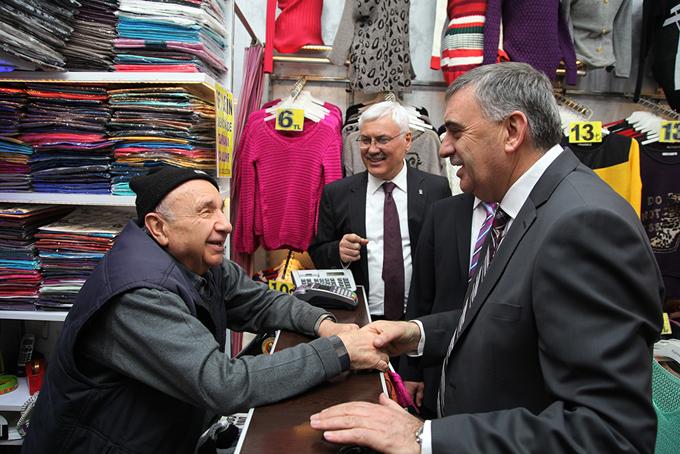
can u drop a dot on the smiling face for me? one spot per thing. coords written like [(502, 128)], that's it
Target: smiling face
[(197, 228), (476, 145), (386, 160)]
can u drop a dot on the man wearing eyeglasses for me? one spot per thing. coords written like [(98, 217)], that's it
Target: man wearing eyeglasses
[(370, 222)]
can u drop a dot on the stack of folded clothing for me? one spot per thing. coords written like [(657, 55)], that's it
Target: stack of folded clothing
[(71, 248), (12, 102), (155, 126), (14, 168), (67, 126), (33, 33), (90, 47), (20, 275), (177, 36)]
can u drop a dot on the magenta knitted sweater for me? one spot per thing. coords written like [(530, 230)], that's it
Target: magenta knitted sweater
[(281, 179)]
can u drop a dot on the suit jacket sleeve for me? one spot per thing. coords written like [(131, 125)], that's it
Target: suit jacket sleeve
[(596, 299), (324, 249)]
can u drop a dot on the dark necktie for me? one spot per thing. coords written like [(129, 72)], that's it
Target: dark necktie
[(500, 220), (393, 259)]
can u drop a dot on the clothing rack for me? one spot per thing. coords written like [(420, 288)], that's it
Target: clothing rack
[(254, 40), (659, 109), (573, 105)]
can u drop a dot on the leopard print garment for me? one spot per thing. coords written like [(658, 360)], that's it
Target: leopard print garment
[(379, 58)]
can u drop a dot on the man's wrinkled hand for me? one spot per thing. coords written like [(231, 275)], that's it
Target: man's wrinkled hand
[(349, 247), (362, 351), (395, 338), (330, 328), (385, 427)]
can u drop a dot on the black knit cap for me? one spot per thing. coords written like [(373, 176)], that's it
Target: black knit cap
[(153, 187)]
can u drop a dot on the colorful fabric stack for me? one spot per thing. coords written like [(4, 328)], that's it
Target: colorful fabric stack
[(12, 102), (71, 248), (159, 126), (67, 126), (178, 36), (20, 275), (14, 168), (33, 33), (91, 44)]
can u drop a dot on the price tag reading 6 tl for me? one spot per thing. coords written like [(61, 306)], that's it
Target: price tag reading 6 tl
[(290, 120), (670, 131), (585, 132)]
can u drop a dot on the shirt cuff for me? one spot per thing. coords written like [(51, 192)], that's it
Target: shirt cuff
[(426, 447), (321, 319), (341, 350), (421, 342)]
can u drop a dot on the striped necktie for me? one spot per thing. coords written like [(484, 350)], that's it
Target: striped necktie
[(490, 209), (500, 220)]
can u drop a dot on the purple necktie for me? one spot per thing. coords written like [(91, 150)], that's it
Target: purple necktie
[(393, 259), (490, 209)]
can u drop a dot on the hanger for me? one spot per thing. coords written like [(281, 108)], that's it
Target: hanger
[(573, 111), (300, 99)]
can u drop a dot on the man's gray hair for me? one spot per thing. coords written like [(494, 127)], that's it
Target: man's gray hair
[(503, 88), (164, 209), (386, 108)]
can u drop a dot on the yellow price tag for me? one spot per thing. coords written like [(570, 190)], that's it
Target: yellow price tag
[(666, 325), (290, 120), (281, 286), (670, 132), (585, 132)]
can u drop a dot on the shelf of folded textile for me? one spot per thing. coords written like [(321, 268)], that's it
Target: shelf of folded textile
[(34, 315), (117, 77), (67, 199)]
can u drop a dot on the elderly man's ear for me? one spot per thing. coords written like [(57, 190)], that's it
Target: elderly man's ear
[(156, 226)]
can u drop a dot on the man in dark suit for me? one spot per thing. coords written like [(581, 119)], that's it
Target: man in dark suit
[(553, 349), (354, 212), (439, 282)]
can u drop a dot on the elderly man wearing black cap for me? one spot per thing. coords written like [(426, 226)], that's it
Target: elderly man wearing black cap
[(140, 363)]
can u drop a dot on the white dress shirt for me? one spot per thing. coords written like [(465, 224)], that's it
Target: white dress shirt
[(512, 203), (375, 201)]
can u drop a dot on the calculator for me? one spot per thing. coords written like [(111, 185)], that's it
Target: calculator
[(336, 278)]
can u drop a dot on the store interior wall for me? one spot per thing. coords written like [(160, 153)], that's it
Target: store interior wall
[(612, 103)]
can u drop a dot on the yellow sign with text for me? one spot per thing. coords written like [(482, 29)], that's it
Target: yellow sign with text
[(281, 286), (669, 132), (585, 132), (224, 110), (290, 120)]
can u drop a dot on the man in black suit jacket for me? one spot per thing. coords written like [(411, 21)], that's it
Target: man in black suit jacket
[(438, 284), (343, 238), (554, 350)]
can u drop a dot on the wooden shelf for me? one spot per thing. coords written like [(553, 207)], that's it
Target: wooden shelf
[(14, 400), (45, 316), (67, 199)]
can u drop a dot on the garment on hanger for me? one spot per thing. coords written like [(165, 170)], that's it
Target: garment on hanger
[(379, 54), (659, 166), (281, 179), (617, 161), (661, 30), (298, 24), (601, 32), (533, 32)]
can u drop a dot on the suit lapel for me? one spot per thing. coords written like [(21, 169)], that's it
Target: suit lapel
[(463, 223), (415, 203), (357, 216), (565, 163)]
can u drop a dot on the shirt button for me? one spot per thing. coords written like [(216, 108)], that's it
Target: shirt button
[(605, 31), (599, 49), (606, 1)]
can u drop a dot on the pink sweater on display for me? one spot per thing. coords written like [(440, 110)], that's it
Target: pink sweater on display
[(281, 179)]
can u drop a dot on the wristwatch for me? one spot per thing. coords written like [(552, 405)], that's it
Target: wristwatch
[(419, 435)]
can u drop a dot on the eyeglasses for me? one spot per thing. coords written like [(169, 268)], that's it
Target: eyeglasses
[(366, 141)]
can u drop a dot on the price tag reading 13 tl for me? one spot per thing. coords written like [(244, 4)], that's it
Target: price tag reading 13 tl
[(670, 132), (290, 120), (585, 132)]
